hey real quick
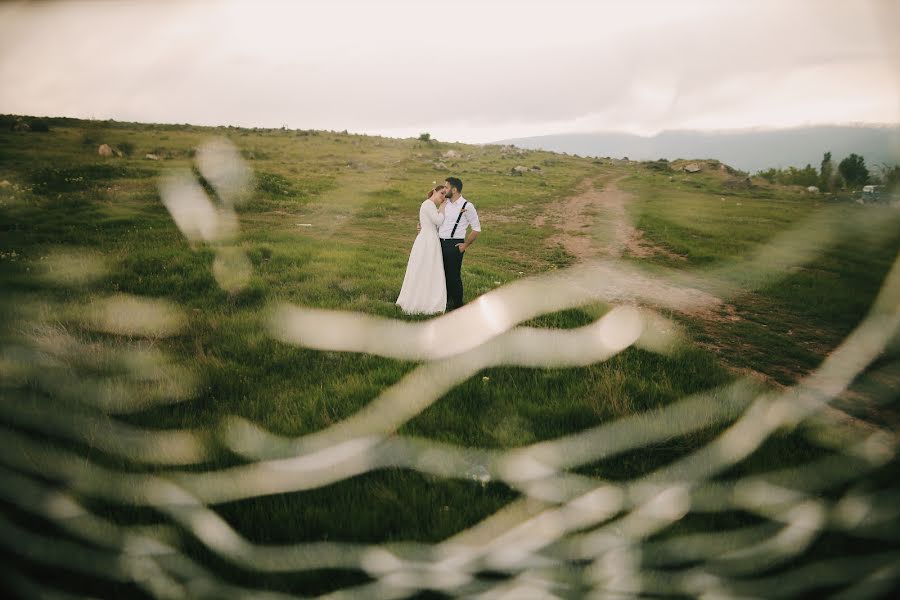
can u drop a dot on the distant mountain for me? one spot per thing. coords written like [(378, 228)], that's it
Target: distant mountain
[(749, 150)]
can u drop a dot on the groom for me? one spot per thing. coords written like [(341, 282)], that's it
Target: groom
[(459, 215)]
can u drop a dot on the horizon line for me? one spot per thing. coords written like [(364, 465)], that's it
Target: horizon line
[(751, 129)]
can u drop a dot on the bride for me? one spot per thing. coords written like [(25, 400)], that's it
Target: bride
[(424, 290)]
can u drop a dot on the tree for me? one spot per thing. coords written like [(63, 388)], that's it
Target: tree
[(890, 177), (826, 172), (425, 137), (853, 170)]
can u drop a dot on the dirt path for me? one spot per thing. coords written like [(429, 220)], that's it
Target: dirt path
[(595, 224)]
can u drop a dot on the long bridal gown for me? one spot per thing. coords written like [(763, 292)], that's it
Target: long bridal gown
[(424, 290)]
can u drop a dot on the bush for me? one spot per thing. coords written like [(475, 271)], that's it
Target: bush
[(274, 184), (127, 148), (39, 125), (425, 137), (806, 176)]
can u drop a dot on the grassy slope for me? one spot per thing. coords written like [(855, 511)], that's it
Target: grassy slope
[(789, 325), (361, 195)]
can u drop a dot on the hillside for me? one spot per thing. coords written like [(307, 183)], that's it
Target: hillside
[(748, 150), (209, 392)]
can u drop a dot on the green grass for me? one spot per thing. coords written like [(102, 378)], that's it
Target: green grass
[(787, 327), (361, 195)]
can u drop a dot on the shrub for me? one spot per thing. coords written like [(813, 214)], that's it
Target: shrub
[(274, 184), (39, 125), (659, 165), (126, 147), (425, 137)]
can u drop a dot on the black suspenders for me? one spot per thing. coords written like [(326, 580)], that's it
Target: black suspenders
[(455, 225)]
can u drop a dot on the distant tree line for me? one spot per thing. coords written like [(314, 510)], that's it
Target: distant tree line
[(851, 173)]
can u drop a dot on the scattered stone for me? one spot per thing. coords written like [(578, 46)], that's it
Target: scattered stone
[(692, 168), (304, 224), (535, 169), (450, 154), (441, 166), (4, 184), (519, 170), (812, 189), (739, 184), (151, 157), (105, 150), (511, 150)]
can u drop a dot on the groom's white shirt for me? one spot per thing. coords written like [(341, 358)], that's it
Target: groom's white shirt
[(469, 219)]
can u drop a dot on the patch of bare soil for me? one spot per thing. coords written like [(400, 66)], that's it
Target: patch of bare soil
[(602, 211), (595, 224)]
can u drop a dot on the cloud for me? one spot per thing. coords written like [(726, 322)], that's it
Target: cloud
[(472, 67)]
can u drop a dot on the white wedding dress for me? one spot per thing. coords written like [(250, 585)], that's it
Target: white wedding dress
[(424, 290)]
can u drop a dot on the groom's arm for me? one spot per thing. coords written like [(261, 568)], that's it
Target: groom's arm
[(473, 235), (475, 224)]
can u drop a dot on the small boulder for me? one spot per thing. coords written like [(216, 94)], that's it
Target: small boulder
[(812, 189), (450, 154), (105, 150), (520, 170), (692, 168), (151, 157)]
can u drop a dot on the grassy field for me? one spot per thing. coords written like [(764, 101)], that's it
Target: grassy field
[(329, 225)]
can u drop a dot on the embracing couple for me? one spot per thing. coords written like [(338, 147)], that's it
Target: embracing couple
[(433, 283)]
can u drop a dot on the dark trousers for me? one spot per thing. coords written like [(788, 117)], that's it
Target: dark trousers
[(452, 272)]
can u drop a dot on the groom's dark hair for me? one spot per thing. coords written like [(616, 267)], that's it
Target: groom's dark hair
[(455, 182)]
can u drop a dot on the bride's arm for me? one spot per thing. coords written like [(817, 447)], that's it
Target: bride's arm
[(436, 215)]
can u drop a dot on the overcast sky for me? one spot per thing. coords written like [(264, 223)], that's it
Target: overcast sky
[(473, 71)]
